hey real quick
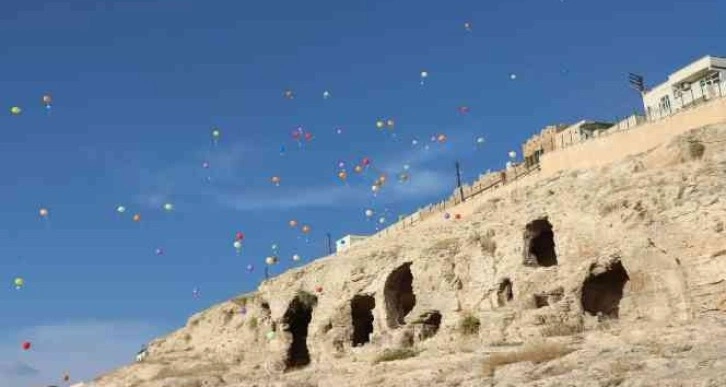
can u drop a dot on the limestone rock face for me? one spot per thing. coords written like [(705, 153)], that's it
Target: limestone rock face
[(606, 277)]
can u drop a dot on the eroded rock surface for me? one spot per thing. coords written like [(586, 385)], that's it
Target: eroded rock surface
[(609, 277)]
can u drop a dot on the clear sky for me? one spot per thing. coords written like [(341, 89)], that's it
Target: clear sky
[(137, 87)]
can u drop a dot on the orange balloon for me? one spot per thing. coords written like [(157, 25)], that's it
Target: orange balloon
[(305, 229), (137, 217), (275, 179), (442, 138), (342, 175), (292, 223)]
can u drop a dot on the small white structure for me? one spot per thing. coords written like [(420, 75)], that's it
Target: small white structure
[(345, 242), (699, 81), (141, 355)]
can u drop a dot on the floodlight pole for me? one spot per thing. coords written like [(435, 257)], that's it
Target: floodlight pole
[(458, 182), (330, 246)]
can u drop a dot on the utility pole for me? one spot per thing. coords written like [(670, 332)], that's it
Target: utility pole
[(458, 182), (330, 246)]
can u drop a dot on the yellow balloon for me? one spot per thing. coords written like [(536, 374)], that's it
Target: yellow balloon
[(19, 282)]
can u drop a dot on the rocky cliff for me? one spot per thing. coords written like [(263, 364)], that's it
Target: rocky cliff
[(614, 276)]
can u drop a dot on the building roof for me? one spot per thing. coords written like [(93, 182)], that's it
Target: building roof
[(692, 71)]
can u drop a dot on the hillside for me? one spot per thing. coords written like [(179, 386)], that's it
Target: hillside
[(600, 277)]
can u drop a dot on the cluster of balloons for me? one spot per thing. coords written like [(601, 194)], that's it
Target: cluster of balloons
[(299, 134), (424, 75), (289, 94), (275, 180), (238, 238), (47, 101), (216, 135), (389, 123)]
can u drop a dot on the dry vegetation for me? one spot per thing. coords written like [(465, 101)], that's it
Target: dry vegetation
[(536, 353), (469, 325), (395, 354)]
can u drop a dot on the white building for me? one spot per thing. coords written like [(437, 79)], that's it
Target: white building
[(699, 81), (345, 242)]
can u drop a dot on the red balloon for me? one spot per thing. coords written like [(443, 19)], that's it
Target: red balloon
[(296, 134), (239, 236), (26, 345), (308, 136), (366, 161)]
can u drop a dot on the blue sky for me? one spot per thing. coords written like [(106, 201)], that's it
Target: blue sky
[(138, 85)]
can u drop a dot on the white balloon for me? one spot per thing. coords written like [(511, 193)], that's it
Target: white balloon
[(295, 257), (237, 245), (369, 213)]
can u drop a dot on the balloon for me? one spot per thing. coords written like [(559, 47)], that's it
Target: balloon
[(19, 282), (380, 124), (16, 110), (274, 246), (195, 292), (512, 76), (275, 180), (205, 165), (403, 177), (47, 99), (341, 164), (512, 154), (250, 267), (342, 175), (358, 169), (289, 94), (308, 136), (296, 134), (306, 229), (26, 345), (339, 130), (374, 188), (382, 178), (480, 140), (238, 236), (296, 257), (441, 138), (414, 142), (366, 161), (159, 251), (381, 220), (326, 94), (463, 109), (390, 123), (216, 133), (237, 245), (292, 223), (43, 212), (467, 26), (137, 218), (406, 167), (271, 260), (168, 207), (424, 74), (120, 209), (369, 213)]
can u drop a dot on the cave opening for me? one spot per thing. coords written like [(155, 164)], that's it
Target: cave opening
[(399, 296), (539, 242), (602, 292), (361, 312), (297, 319)]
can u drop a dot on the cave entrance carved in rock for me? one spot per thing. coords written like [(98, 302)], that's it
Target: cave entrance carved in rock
[(539, 244), (297, 319), (398, 293), (505, 293), (361, 313), (602, 290)]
